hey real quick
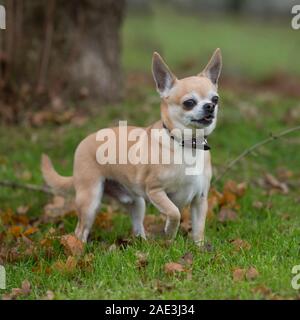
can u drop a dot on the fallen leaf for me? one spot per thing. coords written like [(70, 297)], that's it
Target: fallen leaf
[(263, 290), (30, 231), (69, 266), (238, 274), (16, 231), (252, 273), (274, 183), (257, 205), (49, 295), (86, 262), (214, 198), (104, 220), (142, 259), (25, 290), (228, 199), (185, 223), (22, 209), (284, 173), (240, 244), (14, 294), (162, 287), (71, 263), (26, 287), (227, 214), (187, 258), (72, 245), (154, 224), (236, 188), (173, 267)]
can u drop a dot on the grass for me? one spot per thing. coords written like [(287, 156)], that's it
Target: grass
[(251, 47), (272, 231)]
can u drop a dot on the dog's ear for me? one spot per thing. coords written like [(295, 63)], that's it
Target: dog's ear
[(162, 75), (213, 68)]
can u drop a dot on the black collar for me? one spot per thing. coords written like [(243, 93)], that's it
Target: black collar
[(193, 143)]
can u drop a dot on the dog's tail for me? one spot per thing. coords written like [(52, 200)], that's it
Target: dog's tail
[(52, 178)]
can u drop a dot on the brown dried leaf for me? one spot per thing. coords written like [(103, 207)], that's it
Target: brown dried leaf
[(227, 214), (162, 287), (187, 258), (86, 262), (173, 267), (26, 287), (284, 173), (214, 198), (241, 244), (228, 199), (142, 259), (262, 290), (22, 209), (238, 274), (69, 266), (236, 188), (257, 205), (30, 231), (49, 295), (16, 231), (273, 183), (18, 292), (252, 273), (154, 224), (72, 245), (104, 220)]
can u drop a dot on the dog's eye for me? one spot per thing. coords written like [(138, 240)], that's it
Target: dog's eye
[(190, 103), (215, 99)]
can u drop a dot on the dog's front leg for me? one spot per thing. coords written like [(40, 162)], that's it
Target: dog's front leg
[(161, 201), (199, 208)]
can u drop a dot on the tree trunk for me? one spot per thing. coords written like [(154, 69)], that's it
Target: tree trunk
[(60, 48)]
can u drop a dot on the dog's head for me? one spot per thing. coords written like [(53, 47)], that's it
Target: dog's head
[(189, 103)]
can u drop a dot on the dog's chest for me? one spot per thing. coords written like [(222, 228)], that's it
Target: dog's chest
[(182, 187)]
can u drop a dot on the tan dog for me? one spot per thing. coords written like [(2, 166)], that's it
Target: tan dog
[(190, 103)]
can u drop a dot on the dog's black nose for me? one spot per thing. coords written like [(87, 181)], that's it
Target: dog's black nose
[(209, 107)]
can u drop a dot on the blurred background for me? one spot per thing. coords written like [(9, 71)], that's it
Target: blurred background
[(69, 68), (75, 56)]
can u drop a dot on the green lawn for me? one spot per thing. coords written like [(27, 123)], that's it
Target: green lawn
[(272, 231)]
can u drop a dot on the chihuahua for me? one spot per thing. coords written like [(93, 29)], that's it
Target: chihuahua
[(187, 105)]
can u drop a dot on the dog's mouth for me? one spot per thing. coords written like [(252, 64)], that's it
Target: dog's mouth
[(207, 120)]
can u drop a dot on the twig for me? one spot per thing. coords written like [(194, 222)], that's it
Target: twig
[(255, 146), (32, 187)]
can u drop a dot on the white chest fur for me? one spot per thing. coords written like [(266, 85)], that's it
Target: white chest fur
[(183, 182)]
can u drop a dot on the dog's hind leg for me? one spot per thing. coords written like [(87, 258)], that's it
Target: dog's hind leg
[(88, 198), (137, 210)]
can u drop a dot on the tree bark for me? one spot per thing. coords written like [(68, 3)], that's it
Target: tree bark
[(60, 47)]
